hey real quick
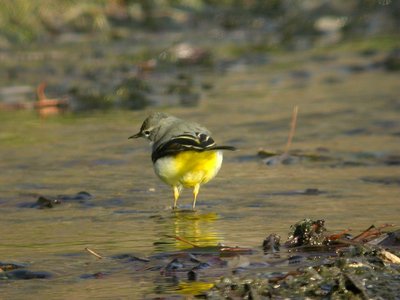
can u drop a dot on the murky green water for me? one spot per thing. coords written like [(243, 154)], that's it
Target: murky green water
[(355, 120)]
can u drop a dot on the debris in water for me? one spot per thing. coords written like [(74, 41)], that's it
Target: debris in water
[(316, 264), (10, 266), (359, 269), (272, 243), (49, 107), (307, 232)]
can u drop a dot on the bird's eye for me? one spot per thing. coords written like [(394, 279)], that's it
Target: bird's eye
[(146, 132)]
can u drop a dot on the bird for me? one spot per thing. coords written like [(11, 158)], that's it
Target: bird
[(184, 154)]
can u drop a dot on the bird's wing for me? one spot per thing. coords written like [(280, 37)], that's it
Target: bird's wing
[(185, 142)]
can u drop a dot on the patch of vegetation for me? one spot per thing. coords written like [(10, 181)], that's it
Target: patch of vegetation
[(132, 93), (37, 20)]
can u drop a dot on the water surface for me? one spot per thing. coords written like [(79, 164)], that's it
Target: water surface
[(353, 121)]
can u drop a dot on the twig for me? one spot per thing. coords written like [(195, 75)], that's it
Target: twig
[(235, 250), (370, 232), (337, 236), (94, 253), (292, 130), (182, 240)]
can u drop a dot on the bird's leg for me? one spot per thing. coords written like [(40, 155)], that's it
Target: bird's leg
[(195, 192), (177, 191)]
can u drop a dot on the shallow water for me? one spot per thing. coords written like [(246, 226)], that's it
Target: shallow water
[(355, 120)]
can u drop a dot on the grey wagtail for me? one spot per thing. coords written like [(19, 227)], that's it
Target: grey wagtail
[(183, 152)]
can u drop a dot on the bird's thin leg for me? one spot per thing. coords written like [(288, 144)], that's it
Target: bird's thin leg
[(195, 192), (177, 191)]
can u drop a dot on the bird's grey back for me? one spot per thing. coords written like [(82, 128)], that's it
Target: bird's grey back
[(172, 127)]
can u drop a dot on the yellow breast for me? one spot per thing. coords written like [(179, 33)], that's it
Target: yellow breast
[(189, 168)]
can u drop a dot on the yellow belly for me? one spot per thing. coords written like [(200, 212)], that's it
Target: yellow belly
[(189, 168)]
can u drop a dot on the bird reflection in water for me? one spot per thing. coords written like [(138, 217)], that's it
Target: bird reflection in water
[(196, 227)]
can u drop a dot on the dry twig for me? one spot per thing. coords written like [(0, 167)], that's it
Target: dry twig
[(94, 253), (178, 238), (292, 129)]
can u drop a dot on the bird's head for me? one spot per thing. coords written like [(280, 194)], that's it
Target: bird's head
[(151, 126)]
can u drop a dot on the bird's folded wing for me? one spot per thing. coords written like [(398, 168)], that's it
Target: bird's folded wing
[(185, 142)]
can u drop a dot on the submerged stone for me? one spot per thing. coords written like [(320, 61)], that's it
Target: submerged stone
[(382, 180), (98, 275), (175, 264), (25, 274), (43, 202), (80, 197), (192, 275), (130, 258)]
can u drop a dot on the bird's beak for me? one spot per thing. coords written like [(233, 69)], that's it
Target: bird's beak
[(135, 136)]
